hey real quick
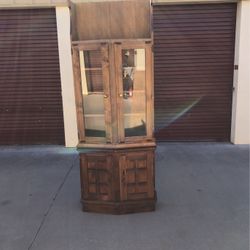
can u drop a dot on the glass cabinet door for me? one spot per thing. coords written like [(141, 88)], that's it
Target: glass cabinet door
[(118, 74), (95, 91), (133, 91)]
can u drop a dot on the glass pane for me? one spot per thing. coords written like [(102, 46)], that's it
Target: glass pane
[(92, 91), (134, 96)]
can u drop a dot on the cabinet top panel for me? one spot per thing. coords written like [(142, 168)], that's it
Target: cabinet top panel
[(111, 20)]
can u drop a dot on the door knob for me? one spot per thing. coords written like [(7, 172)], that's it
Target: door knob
[(121, 95), (105, 96)]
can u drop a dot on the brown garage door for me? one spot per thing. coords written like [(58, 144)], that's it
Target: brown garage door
[(194, 55), (30, 91)]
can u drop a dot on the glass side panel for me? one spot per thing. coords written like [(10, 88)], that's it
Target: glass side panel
[(92, 91), (134, 94)]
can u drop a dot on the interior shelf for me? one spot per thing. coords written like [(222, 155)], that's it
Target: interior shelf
[(135, 114), (94, 115), (92, 69)]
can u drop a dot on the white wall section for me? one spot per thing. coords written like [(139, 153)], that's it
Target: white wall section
[(240, 131), (32, 3), (67, 79)]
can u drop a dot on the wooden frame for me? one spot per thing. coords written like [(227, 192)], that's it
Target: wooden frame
[(118, 181), (104, 49), (117, 172), (112, 88), (148, 89), (78, 91), (78, 43)]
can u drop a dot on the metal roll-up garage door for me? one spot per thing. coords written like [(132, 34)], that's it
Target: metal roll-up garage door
[(194, 56), (30, 90)]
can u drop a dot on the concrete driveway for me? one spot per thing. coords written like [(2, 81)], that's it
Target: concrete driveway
[(203, 202)]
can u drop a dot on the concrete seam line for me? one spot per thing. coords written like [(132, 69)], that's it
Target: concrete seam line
[(52, 203)]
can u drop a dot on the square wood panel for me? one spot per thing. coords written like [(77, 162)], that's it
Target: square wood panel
[(97, 178), (136, 173)]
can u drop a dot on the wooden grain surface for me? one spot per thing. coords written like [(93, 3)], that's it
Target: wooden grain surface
[(111, 20), (111, 60), (78, 95), (118, 181)]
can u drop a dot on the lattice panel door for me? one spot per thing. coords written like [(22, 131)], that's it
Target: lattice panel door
[(97, 177), (137, 175)]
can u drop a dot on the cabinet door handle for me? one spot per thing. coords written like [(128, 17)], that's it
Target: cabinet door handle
[(105, 96), (121, 95)]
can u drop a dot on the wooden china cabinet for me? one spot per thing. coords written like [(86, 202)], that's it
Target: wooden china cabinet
[(114, 101)]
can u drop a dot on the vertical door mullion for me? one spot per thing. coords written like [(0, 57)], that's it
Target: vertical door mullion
[(119, 84), (106, 91), (113, 94), (149, 92), (78, 94)]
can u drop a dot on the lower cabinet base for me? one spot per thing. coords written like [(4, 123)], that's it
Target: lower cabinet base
[(124, 207), (118, 181)]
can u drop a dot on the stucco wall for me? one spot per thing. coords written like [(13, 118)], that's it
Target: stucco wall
[(32, 3), (66, 72), (240, 131)]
